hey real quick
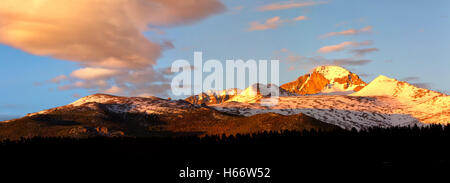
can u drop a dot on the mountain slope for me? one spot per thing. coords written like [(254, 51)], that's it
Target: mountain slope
[(344, 111), (108, 115), (403, 91), (326, 79), (426, 105), (384, 102)]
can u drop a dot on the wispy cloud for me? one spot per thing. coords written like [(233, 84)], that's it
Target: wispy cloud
[(296, 61), (235, 10), (299, 18), (414, 80), (291, 68), (422, 85), (343, 46), (110, 37), (58, 79), (362, 52), (270, 23), (90, 73), (410, 79), (350, 62), (273, 23), (114, 90), (287, 5), (348, 32)]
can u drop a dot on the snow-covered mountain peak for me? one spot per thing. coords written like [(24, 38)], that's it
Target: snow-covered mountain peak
[(403, 91), (332, 72), (380, 86), (383, 78), (326, 80), (424, 104)]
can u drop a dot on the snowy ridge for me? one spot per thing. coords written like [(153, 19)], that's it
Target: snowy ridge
[(426, 105), (213, 97), (384, 102), (117, 104), (385, 86), (344, 111), (258, 91), (149, 105), (231, 91)]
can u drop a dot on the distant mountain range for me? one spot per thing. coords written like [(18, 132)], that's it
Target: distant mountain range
[(329, 97)]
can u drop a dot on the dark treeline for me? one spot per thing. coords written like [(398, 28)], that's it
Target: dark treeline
[(374, 152), (431, 131)]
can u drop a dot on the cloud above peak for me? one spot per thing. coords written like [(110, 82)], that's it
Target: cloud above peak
[(343, 46), (362, 52), (287, 5), (90, 73), (348, 32), (273, 23), (102, 34)]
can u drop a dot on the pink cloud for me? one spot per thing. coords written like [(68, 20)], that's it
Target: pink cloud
[(287, 5), (299, 18), (273, 23), (342, 46), (115, 90), (58, 79), (270, 23), (90, 73), (348, 32)]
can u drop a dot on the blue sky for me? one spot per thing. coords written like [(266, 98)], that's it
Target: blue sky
[(411, 37)]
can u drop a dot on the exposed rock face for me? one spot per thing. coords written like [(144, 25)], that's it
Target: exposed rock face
[(303, 86), (213, 97), (326, 79)]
